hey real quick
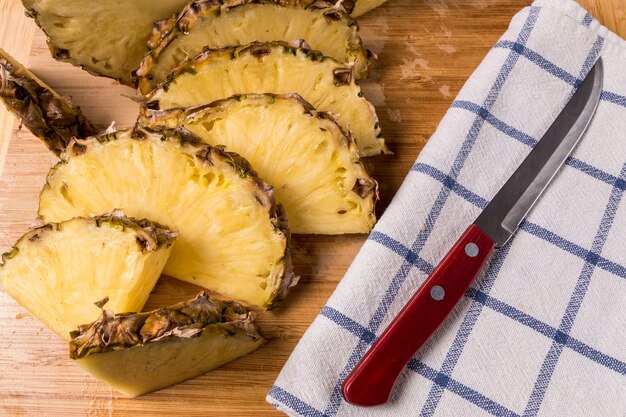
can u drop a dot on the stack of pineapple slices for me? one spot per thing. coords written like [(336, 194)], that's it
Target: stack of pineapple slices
[(109, 38), (209, 24), (328, 192), (234, 239), (274, 81), (274, 67)]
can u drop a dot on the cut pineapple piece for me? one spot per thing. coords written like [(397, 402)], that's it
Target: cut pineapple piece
[(143, 352), (363, 6), (214, 24), (314, 168), (233, 237), (50, 117), (280, 68), (58, 271), (103, 37)]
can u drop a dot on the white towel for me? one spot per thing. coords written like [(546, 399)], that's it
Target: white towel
[(543, 329)]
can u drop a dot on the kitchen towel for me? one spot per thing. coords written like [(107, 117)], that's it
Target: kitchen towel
[(542, 332)]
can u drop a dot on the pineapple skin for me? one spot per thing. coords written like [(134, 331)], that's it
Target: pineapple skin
[(70, 182), (325, 83), (50, 117), (65, 297), (211, 24), (351, 195), (113, 33), (140, 353), (355, 8)]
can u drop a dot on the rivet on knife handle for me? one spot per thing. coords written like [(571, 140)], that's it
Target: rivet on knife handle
[(371, 382)]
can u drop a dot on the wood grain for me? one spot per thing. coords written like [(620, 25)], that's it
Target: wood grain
[(611, 13), (426, 48)]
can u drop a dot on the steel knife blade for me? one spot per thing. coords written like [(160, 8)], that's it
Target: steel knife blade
[(372, 380)]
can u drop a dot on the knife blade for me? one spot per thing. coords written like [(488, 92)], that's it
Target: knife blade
[(371, 382)]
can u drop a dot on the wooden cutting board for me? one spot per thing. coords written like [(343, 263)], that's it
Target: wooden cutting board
[(426, 49)]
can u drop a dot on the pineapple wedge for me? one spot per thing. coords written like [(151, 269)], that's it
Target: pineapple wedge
[(143, 352), (363, 6), (233, 238), (50, 117), (59, 270), (313, 166), (279, 68), (103, 37), (216, 24)]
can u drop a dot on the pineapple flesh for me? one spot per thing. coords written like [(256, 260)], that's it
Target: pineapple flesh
[(59, 270), (106, 38), (234, 239), (139, 353), (50, 117), (278, 68), (363, 6), (213, 24), (313, 166)]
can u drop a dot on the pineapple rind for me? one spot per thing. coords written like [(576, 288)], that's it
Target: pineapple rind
[(279, 68), (212, 24), (233, 240), (355, 8), (303, 153), (106, 38), (57, 271), (143, 352), (50, 117)]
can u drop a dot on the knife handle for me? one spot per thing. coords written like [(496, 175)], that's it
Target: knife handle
[(371, 381)]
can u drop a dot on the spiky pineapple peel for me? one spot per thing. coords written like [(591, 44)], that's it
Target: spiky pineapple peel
[(58, 270), (49, 116), (214, 24), (234, 238), (313, 165), (356, 8), (183, 320), (137, 353)]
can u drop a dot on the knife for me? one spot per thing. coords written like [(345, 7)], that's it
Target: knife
[(371, 381)]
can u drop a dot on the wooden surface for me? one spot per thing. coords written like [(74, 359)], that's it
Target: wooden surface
[(426, 49)]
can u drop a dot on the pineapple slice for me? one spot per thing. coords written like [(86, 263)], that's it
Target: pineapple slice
[(233, 238), (103, 37), (314, 168), (50, 117), (59, 270), (363, 6), (275, 67), (214, 24), (143, 352)]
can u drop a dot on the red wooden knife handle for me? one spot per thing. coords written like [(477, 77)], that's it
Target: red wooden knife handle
[(372, 380)]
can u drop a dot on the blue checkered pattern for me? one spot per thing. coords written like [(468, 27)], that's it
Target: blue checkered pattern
[(543, 330)]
